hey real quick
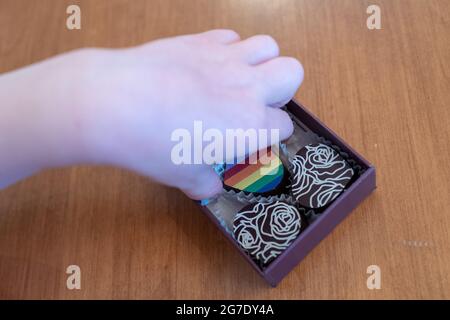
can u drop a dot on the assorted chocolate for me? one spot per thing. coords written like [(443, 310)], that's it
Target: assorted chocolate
[(317, 175), (320, 174), (265, 230)]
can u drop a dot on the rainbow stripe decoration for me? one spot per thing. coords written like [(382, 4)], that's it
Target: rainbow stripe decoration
[(263, 176)]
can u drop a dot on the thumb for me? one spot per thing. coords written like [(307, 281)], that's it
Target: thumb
[(206, 184)]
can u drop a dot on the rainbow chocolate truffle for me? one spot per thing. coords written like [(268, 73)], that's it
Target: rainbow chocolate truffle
[(320, 175), (262, 174), (265, 230)]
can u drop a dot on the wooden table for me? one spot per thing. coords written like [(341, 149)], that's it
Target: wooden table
[(386, 92)]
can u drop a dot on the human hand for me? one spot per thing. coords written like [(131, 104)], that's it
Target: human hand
[(126, 103)]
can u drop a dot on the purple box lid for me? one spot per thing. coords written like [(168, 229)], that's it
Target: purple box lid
[(327, 220)]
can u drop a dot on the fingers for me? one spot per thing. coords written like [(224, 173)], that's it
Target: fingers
[(272, 126), (279, 79), (206, 184), (256, 49), (279, 120), (223, 36)]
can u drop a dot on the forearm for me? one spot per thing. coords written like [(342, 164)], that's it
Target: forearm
[(41, 119)]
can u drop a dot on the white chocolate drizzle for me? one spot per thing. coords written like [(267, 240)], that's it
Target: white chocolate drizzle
[(320, 175), (267, 229)]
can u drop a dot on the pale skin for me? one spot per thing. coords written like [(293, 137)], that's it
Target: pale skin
[(119, 106)]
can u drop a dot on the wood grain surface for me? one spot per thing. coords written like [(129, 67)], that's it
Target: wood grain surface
[(386, 92)]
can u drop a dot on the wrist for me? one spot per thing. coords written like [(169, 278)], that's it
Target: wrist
[(60, 124), (41, 122)]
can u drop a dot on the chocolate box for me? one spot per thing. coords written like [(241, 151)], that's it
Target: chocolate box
[(324, 223)]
